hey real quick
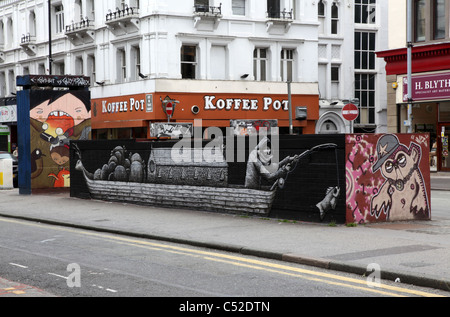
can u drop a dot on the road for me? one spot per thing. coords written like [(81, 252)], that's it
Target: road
[(70, 262), (439, 205)]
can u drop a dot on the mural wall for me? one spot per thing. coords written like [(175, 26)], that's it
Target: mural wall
[(289, 176), (355, 178), (387, 177), (56, 118)]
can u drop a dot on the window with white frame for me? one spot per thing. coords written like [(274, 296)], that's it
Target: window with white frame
[(122, 65), (365, 11), (335, 78), (32, 23), (238, 7), (321, 9), (135, 3), (90, 10), (295, 9), (334, 18), (2, 34), (41, 69), (9, 32), (365, 92), (365, 60), (120, 4), (201, 5), (218, 62), (260, 63), (91, 68), (321, 16), (136, 56), (59, 19), (365, 50), (273, 9), (287, 64), (188, 61), (439, 20), (79, 65), (59, 68), (12, 82), (2, 84), (419, 20), (335, 73)]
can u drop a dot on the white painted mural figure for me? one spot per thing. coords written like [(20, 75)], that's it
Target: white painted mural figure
[(403, 195)]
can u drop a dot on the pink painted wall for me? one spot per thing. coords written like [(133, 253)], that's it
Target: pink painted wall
[(387, 177)]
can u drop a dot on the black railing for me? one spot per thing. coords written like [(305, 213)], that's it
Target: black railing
[(121, 13), (26, 38), (84, 23), (284, 15), (201, 8)]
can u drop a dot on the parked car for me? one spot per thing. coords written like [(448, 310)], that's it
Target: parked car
[(7, 155)]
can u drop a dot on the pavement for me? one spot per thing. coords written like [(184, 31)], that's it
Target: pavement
[(416, 252)]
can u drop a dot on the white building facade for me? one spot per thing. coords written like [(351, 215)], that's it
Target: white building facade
[(350, 33), (206, 50)]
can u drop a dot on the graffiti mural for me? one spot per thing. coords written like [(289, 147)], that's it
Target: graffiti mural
[(56, 118), (151, 173), (387, 177)]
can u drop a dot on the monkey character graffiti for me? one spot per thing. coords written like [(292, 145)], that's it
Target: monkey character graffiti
[(403, 194)]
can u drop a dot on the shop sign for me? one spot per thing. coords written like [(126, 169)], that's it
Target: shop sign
[(8, 114), (4, 129), (428, 87), (128, 104), (236, 104)]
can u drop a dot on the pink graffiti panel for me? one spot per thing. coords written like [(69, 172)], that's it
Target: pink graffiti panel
[(387, 177)]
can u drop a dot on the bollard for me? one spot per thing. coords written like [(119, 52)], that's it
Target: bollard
[(6, 174)]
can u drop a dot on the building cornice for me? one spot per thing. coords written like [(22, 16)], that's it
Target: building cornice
[(425, 58)]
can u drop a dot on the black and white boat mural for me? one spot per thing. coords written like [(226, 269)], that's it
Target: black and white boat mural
[(157, 178)]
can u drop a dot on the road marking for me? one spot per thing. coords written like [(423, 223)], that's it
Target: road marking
[(189, 251), (106, 289), (18, 265), (230, 258), (57, 275), (47, 240)]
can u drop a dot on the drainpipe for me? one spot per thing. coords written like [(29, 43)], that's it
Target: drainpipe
[(409, 62), (50, 60), (291, 127)]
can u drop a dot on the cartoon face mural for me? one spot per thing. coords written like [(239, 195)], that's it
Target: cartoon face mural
[(385, 177), (56, 117)]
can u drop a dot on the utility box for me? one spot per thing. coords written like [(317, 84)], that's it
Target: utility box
[(48, 119), (6, 174)]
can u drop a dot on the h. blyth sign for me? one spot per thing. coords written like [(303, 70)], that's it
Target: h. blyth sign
[(428, 87)]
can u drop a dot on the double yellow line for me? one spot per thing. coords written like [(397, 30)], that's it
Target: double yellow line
[(327, 278)]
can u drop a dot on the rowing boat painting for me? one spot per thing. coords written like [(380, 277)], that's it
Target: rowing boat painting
[(199, 183)]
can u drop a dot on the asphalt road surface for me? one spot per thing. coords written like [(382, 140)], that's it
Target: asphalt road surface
[(69, 262)]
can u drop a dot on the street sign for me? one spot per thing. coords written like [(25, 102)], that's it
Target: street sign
[(169, 109), (350, 112)]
